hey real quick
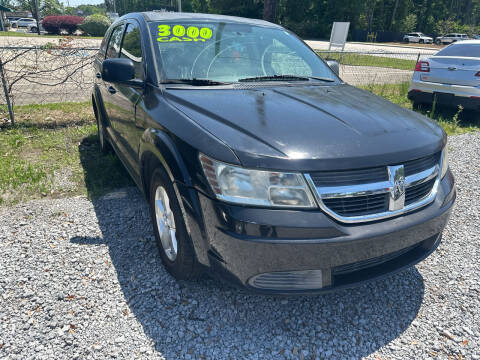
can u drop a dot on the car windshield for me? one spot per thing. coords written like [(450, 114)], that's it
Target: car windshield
[(463, 50), (232, 52)]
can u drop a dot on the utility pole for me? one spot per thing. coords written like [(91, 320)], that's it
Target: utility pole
[(179, 5), (36, 16)]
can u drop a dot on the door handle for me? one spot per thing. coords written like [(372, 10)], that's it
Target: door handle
[(98, 75), (111, 90)]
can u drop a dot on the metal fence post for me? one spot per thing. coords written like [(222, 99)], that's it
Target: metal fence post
[(7, 96)]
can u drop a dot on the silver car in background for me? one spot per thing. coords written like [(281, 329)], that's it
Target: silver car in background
[(451, 38), (451, 77)]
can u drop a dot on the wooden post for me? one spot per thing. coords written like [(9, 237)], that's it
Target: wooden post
[(7, 96), (37, 16)]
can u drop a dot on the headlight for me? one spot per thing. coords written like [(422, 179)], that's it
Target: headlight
[(255, 187), (444, 161)]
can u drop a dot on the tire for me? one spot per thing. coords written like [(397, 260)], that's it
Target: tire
[(33, 29), (421, 41), (103, 142), (438, 42), (179, 260)]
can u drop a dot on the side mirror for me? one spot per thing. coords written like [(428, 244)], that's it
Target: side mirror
[(334, 65), (120, 70)]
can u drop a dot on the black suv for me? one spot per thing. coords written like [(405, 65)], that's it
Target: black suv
[(259, 163)]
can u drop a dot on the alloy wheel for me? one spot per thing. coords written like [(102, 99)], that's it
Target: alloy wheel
[(165, 223)]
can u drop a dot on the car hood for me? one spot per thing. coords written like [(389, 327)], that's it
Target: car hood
[(309, 127)]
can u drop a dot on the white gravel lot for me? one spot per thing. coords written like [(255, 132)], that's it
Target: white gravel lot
[(82, 280)]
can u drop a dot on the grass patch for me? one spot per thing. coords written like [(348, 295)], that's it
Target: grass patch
[(21, 34), (369, 60), (453, 120), (53, 152)]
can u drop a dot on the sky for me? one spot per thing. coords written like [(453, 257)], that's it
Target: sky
[(74, 3)]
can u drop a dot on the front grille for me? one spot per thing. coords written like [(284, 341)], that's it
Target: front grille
[(364, 194), (349, 177), (288, 280), (359, 205), (416, 166), (418, 192)]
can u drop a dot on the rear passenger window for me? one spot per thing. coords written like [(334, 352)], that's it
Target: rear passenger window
[(115, 40), (132, 48)]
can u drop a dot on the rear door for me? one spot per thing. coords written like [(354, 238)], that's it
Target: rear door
[(108, 89), (127, 97)]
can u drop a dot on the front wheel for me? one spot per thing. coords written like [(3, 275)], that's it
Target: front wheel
[(421, 41), (33, 29), (173, 241)]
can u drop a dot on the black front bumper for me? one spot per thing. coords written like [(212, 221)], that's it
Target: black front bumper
[(445, 99), (255, 247)]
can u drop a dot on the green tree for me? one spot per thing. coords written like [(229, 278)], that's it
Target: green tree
[(409, 24), (45, 7)]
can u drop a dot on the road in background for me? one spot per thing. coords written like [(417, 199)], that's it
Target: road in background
[(376, 48)]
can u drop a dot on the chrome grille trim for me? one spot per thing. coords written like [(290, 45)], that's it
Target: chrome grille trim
[(382, 187)]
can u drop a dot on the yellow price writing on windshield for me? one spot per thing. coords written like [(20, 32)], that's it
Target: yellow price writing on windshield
[(168, 33)]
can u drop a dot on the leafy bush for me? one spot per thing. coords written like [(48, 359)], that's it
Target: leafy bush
[(95, 25), (56, 24)]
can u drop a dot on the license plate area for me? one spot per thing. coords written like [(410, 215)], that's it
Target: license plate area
[(444, 98)]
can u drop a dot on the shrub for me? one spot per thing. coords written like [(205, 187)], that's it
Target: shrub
[(95, 25), (55, 24)]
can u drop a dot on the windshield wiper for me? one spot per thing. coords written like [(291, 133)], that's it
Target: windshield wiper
[(284, 77), (194, 82)]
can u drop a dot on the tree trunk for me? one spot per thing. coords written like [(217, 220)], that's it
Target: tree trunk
[(269, 10), (393, 14)]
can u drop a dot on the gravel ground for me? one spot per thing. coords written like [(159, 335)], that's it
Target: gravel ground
[(82, 280)]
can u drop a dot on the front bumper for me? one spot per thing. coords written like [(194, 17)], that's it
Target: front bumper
[(261, 248)]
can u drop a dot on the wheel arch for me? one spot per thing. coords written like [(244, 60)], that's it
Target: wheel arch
[(97, 104), (158, 149)]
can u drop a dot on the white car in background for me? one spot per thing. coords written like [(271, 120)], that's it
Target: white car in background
[(24, 22), (33, 27), (417, 37), (450, 77), (450, 38)]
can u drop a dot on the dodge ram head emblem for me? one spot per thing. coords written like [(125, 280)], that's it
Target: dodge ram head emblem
[(396, 176), (398, 188)]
